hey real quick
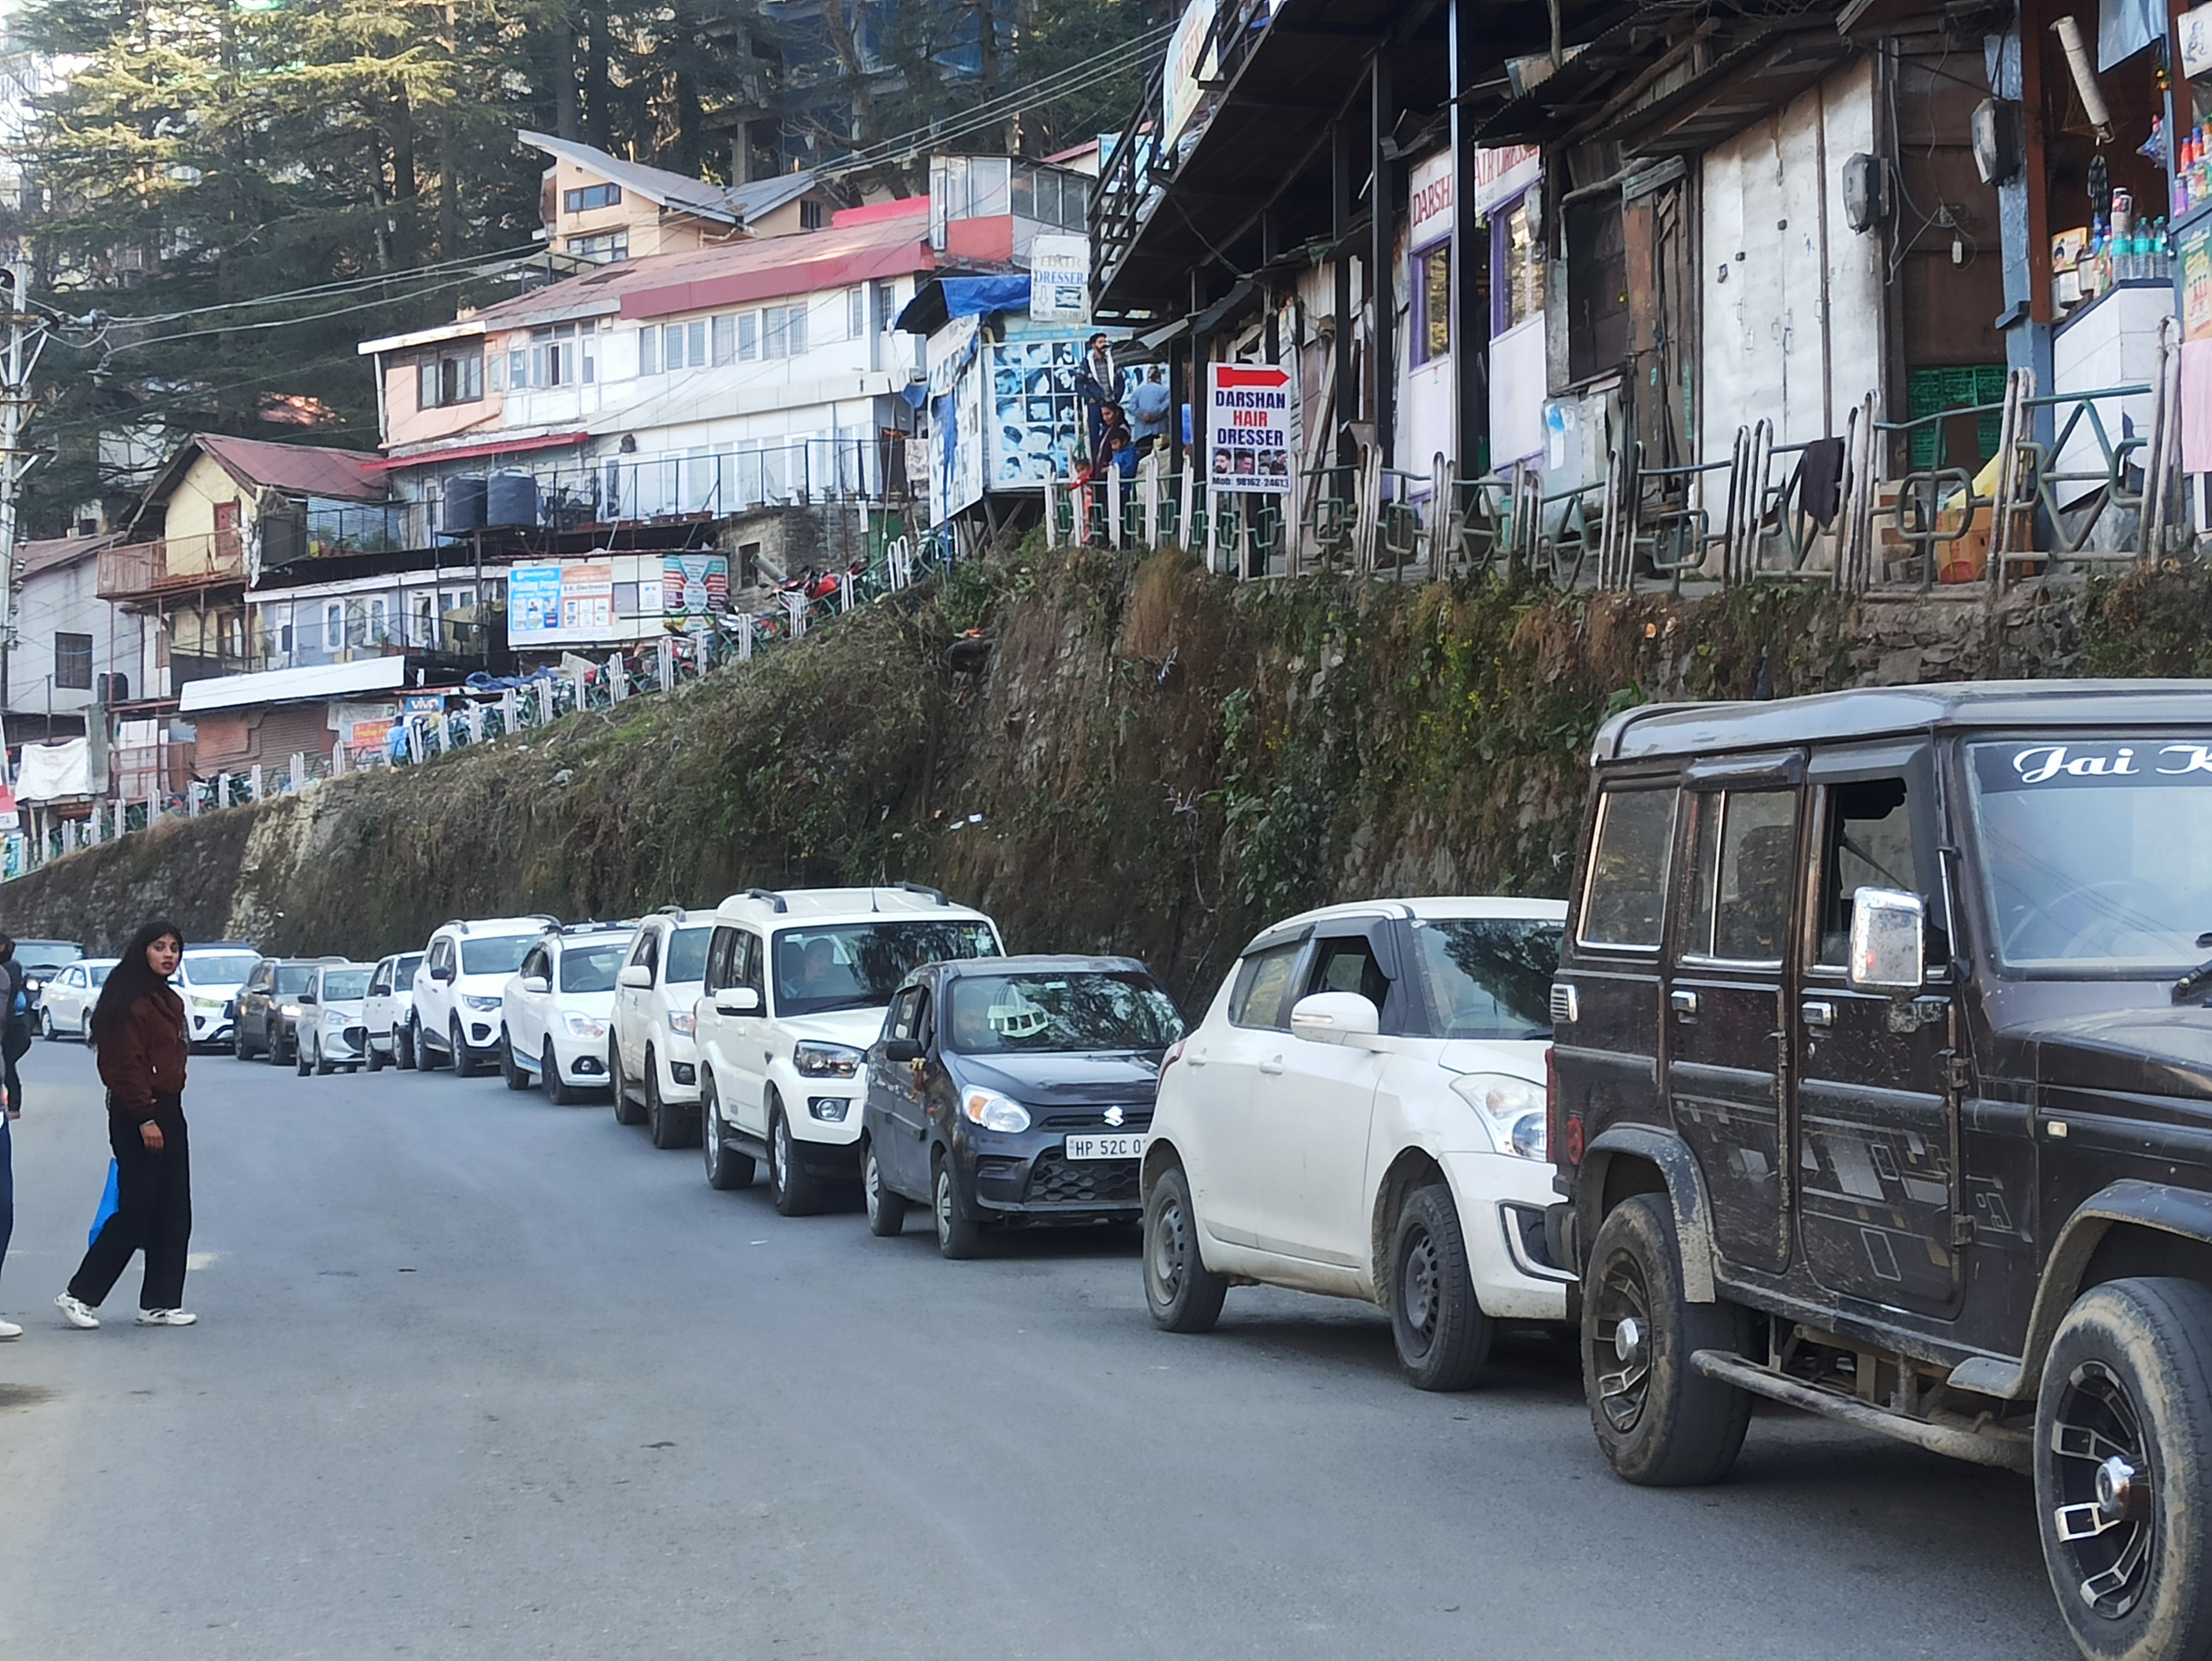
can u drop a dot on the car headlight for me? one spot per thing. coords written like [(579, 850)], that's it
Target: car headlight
[(683, 1021), (826, 1061), (486, 1005), (206, 1003), (993, 1111), (291, 1009), (583, 1026), (1511, 1109)]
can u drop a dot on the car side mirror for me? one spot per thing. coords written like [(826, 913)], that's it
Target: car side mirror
[(1334, 1017), (1889, 933), (534, 984), (637, 975), (307, 998), (443, 973), (738, 1001), (902, 1049)]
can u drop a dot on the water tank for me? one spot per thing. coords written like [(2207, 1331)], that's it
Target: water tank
[(464, 505), (511, 499)]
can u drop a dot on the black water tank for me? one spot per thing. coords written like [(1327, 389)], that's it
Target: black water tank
[(464, 505), (511, 499)]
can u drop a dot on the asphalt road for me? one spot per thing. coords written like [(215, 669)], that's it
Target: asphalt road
[(477, 1376)]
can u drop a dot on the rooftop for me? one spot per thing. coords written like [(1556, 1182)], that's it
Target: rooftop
[(728, 204)]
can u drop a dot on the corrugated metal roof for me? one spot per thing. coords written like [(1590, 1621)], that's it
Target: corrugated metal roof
[(311, 469), (728, 204)]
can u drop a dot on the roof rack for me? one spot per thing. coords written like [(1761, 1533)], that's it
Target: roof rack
[(923, 889), (776, 902), (675, 912)]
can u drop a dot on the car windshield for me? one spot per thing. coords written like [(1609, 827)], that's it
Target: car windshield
[(44, 956), (687, 955), (501, 955), (2096, 856), (344, 985), (857, 965), (1000, 1015), (220, 969), (592, 968), (1488, 977), (292, 977)]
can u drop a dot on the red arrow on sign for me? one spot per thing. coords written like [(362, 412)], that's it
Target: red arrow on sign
[(1226, 377)]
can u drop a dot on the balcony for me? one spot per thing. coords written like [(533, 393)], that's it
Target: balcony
[(142, 571)]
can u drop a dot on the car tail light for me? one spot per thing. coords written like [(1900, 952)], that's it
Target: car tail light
[(1563, 1134), (1173, 1055)]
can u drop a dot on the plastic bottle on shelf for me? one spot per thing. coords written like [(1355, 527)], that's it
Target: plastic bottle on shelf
[(2093, 262)]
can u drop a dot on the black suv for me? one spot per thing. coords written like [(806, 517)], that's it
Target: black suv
[(1884, 1089), (267, 1021)]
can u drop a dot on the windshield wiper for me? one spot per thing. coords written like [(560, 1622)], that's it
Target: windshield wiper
[(2197, 978)]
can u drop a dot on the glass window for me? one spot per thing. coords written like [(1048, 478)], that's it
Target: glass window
[(292, 978), (380, 621), (344, 985), (860, 965), (1348, 964), (1433, 288), (856, 314), (73, 661), (1261, 995), (1866, 842), (720, 952), (749, 964), (1747, 847), (905, 1018), (495, 955), (1487, 977), (590, 197), (695, 343), (748, 337), (591, 967), (646, 954), (1524, 267), (1625, 893), (648, 351), (218, 969), (601, 249), (687, 955), (404, 971), (999, 1014), (334, 625), (725, 339)]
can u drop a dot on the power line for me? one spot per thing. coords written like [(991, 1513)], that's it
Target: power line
[(290, 322), (324, 289)]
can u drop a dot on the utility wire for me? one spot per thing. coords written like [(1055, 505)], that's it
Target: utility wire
[(324, 289)]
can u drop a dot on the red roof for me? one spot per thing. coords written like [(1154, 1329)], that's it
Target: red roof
[(874, 213), (50, 552), (308, 470), (497, 447)]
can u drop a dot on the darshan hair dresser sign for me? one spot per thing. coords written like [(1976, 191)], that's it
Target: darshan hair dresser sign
[(1251, 410)]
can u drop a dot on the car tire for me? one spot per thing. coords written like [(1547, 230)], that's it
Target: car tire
[(510, 1073), (628, 1109), (958, 1237), (794, 1192), (1441, 1334), (1660, 1422), (1181, 1292), (464, 1065), (272, 1051), (300, 1063), (886, 1210), (2128, 1382), (726, 1168), (402, 1049), (558, 1091), (238, 1046), (84, 1029), (426, 1053), (372, 1058), (46, 1025), (666, 1125), (324, 1065)]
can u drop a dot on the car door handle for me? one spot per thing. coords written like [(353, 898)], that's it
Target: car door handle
[(1272, 1064), (1194, 1058), (1684, 1004), (1817, 1011)]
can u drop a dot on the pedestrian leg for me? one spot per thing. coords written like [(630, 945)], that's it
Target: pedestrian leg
[(169, 1231), (137, 1189), (18, 1041), (7, 1189)]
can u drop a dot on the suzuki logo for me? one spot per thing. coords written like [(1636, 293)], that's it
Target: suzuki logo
[(1112, 1115)]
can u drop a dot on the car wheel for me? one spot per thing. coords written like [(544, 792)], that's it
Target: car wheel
[(84, 1031), (558, 1091), (46, 1025), (511, 1074), (271, 1049), (300, 1062), (2123, 1465), (1660, 1421), (464, 1065), (887, 1210), (629, 1109), (725, 1168), (402, 1049), (237, 1050), (958, 1236), (1443, 1335), (794, 1192), (322, 1063), (1183, 1293), (426, 1053), (663, 1123)]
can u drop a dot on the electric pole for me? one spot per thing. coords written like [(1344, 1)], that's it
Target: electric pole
[(25, 338)]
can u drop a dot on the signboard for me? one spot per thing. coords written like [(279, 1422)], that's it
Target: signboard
[(2197, 282), (1430, 192), (1060, 279), (2195, 28), (1501, 174), (694, 585), (554, 601), (422, 704), (587, 599), (1248, 421), (1190, 49)]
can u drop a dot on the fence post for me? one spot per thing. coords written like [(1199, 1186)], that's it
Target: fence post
[(795, 608), (617, 680), (845, 592), (299, 775), (1051, 512), (1112, 506), (253, 780), (667, 663), (1153, 500), (510, 711)]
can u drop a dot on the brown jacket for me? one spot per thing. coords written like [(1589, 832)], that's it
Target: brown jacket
[(144, 1057)]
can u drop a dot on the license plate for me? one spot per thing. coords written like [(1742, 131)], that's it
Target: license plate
[(1127, 1145)]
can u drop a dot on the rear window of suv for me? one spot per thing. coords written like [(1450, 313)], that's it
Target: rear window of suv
[(1625, 895)]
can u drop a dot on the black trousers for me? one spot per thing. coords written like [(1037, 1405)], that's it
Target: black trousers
[(14, 1045), (153, 1214)]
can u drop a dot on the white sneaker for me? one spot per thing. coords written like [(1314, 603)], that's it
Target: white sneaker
[(165, 1318), (9, 1329), (76, 1313)]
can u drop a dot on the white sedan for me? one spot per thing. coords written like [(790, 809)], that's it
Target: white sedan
[(65, 1006), (329, 1034)]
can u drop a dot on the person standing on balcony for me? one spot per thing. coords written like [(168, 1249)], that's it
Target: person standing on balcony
[(1097, 385), (1148, 409)]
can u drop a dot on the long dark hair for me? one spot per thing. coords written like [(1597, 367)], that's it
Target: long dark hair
[(131, 979)]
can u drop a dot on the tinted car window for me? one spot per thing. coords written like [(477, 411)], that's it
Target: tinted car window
[(405, 971), (1866, 842), (591, 967), (1738, 905), (1488, 977), (1348, 964), (292, 977), (100, 975), (219, 969), (997, 1014), (344, 985), (686, 954), (1261, 995), (494, 957), (1627, 890), (860, 965)]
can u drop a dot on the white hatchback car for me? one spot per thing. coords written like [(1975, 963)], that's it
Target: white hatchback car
[(650, 1054), (385, 1010), (330, 1033), (1362, 1113), (557, 1008), (65, 1006), (460, 988), (795, 988)]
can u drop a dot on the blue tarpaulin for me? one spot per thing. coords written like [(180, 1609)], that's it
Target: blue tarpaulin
[(972, 296)]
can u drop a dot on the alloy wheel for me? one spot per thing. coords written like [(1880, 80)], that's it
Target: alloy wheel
[(780, 1149), (942, 1193), (2099, 1473)]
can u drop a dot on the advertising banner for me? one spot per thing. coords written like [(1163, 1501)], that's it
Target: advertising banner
[(1190, 49), (694, 585), (554, 601), (2197, 282), (1249, 421), (1060, 279)]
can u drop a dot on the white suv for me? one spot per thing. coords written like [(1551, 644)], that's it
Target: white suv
[(458, 989), (795, 987), (210, 977), (557, 1008), (1362, 1113), (650, 1053)]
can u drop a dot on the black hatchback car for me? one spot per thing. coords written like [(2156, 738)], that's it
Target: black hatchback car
[(1013, 1090)]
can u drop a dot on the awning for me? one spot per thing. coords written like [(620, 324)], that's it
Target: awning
[(938, 302), (505, 447), (322, 680)]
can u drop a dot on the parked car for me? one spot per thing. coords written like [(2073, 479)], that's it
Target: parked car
[(209, 978), (268, 1006), (794, 988), (459, 987), (1883, 1087), (650, 1054), (332, 1032), (65, 1009), (1361, 1114), (385, 1010), (1013, 1090), (557, 1010), (41, 960)]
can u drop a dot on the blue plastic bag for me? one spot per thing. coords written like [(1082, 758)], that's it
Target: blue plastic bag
[(110, 1202)]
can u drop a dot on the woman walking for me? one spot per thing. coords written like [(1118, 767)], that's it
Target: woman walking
[(139, 1027)]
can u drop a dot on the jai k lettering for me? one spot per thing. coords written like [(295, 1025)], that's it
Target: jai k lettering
[(2199, 758), (2048, 761)]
